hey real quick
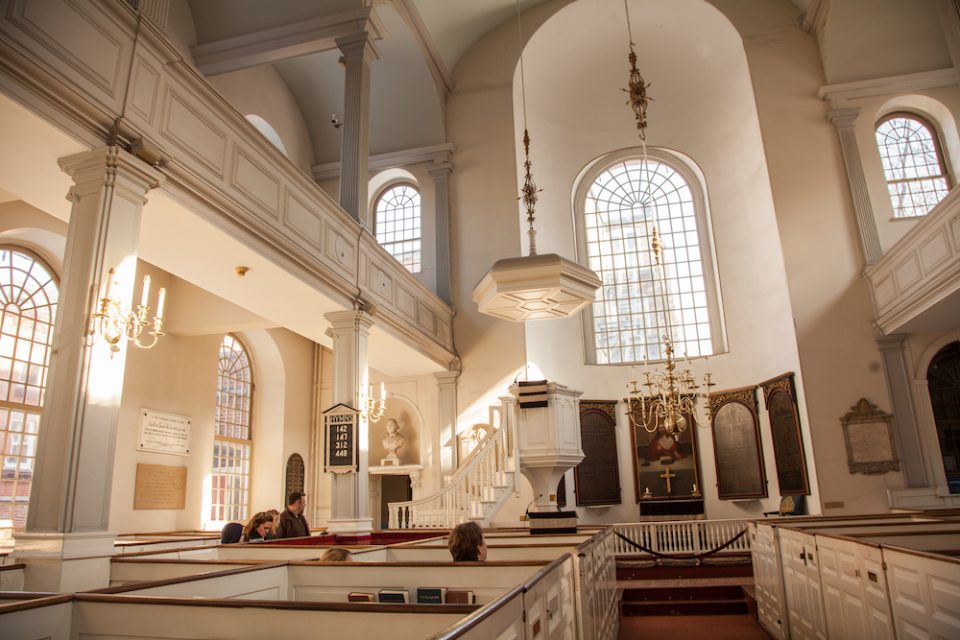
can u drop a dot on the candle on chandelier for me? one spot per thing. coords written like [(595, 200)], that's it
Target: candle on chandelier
[(106, 293), (383, 393), (144, 297), (160, 300)]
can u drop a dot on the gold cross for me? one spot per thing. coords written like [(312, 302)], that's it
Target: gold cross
[(666, 475)]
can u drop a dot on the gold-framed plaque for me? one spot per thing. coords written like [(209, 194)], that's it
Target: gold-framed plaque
[(737, 446), (160, 486), (597, 477), (780, 399), (868, 435)]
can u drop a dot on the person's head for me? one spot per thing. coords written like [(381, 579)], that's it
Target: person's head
[(258, 526), (296, 502), (274, 518), (336, 555), (392, 427), (466, 543)]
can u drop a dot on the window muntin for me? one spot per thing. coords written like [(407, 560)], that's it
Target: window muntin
[(912, 164), (398, 222), (621, 207), (28, 304), (232, 442)]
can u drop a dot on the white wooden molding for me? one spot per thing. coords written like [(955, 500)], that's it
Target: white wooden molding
[(437, 154), (839, 95), (816, 16), (280, 43), (438, 68)]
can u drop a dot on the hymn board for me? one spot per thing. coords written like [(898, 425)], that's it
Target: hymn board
[(340, 426)]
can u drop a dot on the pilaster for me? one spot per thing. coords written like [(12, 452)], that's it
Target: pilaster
[(447, 415), (355, 142), (898, 386), (844, 120), (441, 180)]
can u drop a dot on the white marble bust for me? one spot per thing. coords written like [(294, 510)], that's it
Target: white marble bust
[(392, 442)]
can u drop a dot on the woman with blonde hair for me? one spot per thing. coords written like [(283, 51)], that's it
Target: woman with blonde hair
[(336, 554), (257, 528)]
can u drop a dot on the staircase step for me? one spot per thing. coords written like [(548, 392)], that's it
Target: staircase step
[(723, 606), (683, 594), (638, 571)]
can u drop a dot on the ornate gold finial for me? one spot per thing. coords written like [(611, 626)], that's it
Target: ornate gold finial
[(638, 100), (528, 193)]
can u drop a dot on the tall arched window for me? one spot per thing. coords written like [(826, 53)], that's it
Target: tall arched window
[(621, 207), (28, 303), (397, 223), (943, 381), (913, 164), (232, 440)]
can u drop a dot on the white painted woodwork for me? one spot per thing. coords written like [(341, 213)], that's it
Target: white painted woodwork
[(922, 269), (924, 595), (549, 605), (854, 590), (682, 536), (801, 581), (768, 579)]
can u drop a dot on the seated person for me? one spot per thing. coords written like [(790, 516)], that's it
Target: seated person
[(274, 523), (292, 523), (466, 543), (336, 555), (231, 533), (257, 528)]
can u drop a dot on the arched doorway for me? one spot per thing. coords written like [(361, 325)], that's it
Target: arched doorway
[(943, 382)]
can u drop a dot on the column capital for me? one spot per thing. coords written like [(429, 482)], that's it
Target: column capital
[(348, 320), (93, 169), (440, 170), (357, 46), (892, 342), (844, 117), (447, 377)]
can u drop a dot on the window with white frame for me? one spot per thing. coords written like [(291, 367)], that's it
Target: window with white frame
[(398, 222), (622, 206), (233, 441), (913, 164), (28, 304)]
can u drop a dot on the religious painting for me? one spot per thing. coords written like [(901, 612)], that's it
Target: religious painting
[(666, 466), (780, 398), (736, 444), (597, 477)]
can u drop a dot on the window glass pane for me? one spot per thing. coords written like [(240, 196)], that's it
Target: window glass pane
[(398, 224), (629, 199), (28, 300), (912, 165), (231, 478)]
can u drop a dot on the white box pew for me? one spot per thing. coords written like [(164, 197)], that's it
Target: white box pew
[(89, 615), (162, 543), (598, 617), (495, 552), (12, 576), (502, 619), (924, 594), (35, 616), (257, 582), (332, 581), (943, 542), (194, 553), (277, 552), (125, 570), (854, 589)]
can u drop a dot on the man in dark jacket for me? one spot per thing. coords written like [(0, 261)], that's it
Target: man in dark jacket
[(292, 523)]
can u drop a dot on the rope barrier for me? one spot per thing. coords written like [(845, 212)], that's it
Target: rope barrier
[(681, 556)]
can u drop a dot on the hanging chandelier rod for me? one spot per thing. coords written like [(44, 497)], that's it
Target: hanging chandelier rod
[(529, 190)]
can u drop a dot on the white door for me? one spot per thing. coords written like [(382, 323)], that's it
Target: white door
[(802, 589), (768, 579)]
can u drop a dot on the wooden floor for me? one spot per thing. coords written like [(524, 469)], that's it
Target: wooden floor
[(736, 627)]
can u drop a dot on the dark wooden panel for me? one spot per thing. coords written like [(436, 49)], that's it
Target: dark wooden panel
[(736, 444), (598, 474), (781, 401)]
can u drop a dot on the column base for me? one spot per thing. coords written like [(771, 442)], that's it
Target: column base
[(65, 562), (346, 528)]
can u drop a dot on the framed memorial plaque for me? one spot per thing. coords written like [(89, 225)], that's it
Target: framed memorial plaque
[(736, 444), (868, 434), (340, 424), (665, 468), (780, 398), (164, 432), (597, 477)]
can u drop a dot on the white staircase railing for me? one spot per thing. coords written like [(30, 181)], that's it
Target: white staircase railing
[(682, 536), (477, 489)]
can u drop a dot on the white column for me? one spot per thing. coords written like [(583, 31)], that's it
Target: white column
[(70, 495), (905, 420), (447, 415), (950, 23), (843, 120), (350, 493), (355, 142), (441, 179)]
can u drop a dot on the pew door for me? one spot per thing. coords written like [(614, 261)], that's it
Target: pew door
[(768, 579), (801, 581)]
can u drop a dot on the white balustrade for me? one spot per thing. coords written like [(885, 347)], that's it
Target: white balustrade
[(682, 536)]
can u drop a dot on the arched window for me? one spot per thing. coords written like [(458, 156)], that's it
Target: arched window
[(267, 131), (912, 163), (623, 204), (397, 223), (943, 382), (232, 440), (28, 303)]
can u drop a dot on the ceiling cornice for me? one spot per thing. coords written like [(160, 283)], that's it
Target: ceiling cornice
[(286, 41), (839, 95), (437, 154)]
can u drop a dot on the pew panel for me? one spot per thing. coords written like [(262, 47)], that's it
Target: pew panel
[(125, 571), (854, 590), (768, 579), (544, 552), (42, 619), (548, 601), (256, 583), (924, 594)]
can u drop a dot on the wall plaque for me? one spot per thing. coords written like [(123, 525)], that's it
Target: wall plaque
[(868, 434), (780, 398), (597, 477), (340, 435), (160, 486), (164, 432), (736, 444)]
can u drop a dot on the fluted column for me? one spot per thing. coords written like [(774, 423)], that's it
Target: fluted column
[(898, 383), (844, 119), (355, 142), (70, 494), (441, 180), (350, 497)]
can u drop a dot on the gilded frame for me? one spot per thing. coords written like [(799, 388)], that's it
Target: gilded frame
[(786, 435), (731, 466)]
